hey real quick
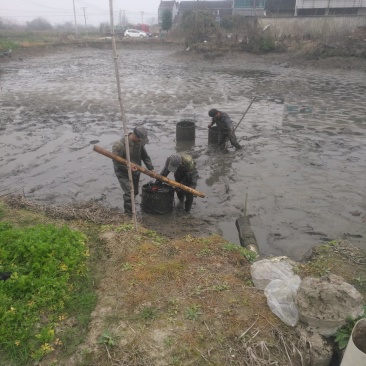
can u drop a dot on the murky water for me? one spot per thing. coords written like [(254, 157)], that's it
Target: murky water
[(303, 165)]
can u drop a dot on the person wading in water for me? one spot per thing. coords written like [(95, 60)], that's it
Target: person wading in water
[(225, 128)]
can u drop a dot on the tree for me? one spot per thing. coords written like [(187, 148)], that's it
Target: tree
[(198, 26), (167, 20), (66, 26), (39, 24)]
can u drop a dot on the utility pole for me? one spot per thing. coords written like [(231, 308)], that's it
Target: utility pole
[(124, 17), (142, 17), (76, 27), (85, 20), (120, 17)]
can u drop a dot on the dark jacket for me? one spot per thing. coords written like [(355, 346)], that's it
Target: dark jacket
[(138, 153), (186, 174), (223, 122)]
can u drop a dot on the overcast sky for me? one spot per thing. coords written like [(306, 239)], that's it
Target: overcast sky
[(96, 11)]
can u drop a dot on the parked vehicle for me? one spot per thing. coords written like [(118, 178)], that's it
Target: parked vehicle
[(135, 33), (142, 27)]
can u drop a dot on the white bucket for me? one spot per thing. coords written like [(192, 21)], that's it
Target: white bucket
[(354, 356)]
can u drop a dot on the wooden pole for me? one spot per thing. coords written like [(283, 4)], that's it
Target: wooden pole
[(148, 172), (123, 115), (244, 113)]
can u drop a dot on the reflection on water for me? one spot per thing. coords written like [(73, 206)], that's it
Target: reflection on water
[(219, 165)]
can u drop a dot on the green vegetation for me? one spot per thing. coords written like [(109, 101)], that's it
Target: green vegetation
[(149, 313), (49, 283), (107, 338), (167, 20), (15, 40), (249, 255), (343, 334), (193, 312)]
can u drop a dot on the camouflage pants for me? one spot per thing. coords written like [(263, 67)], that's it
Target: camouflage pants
[(188, 199), (225, 135), (125, 185), (184, 195)]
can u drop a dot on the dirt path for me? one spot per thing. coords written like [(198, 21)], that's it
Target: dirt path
[(302, 165)]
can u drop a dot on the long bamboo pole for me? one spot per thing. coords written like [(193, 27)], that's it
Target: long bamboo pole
[(244, 113), (148, 172), (123, 115)]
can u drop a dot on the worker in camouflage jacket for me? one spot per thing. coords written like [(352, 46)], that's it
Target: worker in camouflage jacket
[(137, 140), (225, 128), (184, 168)]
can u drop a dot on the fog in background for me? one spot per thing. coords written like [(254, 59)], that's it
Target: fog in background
[(93, 12)]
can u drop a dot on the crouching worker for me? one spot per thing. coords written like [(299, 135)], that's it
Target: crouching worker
[(225, 128), (137, 140), (184, 168)]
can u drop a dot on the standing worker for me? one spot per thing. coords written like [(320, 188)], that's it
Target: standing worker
[(137, 140), (225, 128), (184, 168)]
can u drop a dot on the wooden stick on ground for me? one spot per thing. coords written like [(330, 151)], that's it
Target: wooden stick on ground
[(148, 172)]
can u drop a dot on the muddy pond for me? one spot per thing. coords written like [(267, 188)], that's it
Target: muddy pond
[(302, 166)]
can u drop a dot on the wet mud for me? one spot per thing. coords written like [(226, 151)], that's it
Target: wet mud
[(302, 164)]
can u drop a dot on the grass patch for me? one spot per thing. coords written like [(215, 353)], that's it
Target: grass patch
[(45, 305), (249, 255)]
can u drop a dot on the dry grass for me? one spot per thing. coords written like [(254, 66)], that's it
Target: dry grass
[(183, 302)]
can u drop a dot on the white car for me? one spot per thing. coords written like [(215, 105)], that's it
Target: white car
[(135, 33)]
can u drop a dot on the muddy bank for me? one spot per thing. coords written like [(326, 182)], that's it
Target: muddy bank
[(302, 165)]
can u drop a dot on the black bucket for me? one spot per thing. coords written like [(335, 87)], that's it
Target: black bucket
[(213, 135), (157, 199), (186, 130)]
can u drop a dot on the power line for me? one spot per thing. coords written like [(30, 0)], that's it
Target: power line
[(92, 6), (41, 5)]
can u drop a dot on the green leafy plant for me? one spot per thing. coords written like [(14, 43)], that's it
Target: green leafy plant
[(107, 339), (343, 334), (48, 266), (193, 312), (248, 254), (220, 287), (205, 252), (149, 313), (168, 341), (127, 266), (157, 239)]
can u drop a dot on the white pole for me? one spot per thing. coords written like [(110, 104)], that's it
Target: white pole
[(122, 115)]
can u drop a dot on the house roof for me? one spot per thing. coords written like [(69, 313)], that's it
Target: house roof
[(190, 5), (166, 4)]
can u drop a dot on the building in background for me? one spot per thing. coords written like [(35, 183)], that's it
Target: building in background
[(171, 6), (330, 7), (249, 7), (280, 8)]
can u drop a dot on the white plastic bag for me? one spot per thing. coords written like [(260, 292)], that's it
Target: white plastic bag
[(266, 270), (280, 299)]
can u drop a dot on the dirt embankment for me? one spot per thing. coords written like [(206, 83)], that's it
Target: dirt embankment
[(183, 301), (304, 54)]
